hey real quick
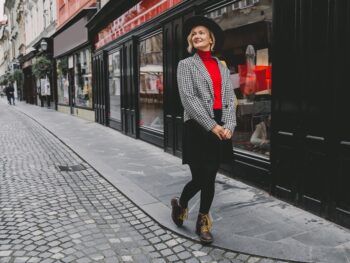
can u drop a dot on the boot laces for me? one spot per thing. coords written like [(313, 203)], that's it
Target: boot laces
[(184, 214), (206, 223)]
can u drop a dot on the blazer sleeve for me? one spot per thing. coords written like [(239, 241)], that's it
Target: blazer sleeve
[(192, 103), (230, 120)]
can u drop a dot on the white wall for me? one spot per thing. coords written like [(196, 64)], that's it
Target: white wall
[(40, 20)]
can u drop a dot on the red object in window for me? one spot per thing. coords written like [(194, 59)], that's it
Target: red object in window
[(258, 80), (159, 85)]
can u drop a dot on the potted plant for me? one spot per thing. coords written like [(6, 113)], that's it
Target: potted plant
[(42, 67), (17, 76)]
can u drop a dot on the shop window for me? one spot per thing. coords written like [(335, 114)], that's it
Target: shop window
[(82, 79), (151, 83), (114, 75), (62, 81), (247, 54)]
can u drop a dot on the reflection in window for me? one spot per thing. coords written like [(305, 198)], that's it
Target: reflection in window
[(247, 53), (82, 79), (114, 85), (151, 83), (244, 3), (62, 81)]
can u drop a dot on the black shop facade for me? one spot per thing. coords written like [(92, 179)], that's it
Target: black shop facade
[(277, 144)]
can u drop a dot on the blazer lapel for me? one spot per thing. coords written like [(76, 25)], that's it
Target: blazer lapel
[(202, 69)]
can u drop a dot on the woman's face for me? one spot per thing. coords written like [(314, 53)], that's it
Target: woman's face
[(200, 38)]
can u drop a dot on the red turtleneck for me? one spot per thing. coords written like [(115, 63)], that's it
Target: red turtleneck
[(214, 72)]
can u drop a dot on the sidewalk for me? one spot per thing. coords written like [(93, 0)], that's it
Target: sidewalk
[(246, 219)]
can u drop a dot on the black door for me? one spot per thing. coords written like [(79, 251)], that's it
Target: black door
[(310, 144), (29, 94), (100, 87), (114, 89), (129, 94), (341, 142), (173, 112), (71, 88)]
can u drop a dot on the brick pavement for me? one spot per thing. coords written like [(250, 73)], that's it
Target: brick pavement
[(50, 215)]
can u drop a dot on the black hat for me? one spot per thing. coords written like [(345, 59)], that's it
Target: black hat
[(208, 23)]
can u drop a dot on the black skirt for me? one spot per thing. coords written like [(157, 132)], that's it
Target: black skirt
[(204, 147)]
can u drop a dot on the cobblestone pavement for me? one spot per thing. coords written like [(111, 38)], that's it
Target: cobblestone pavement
[(54, 207)]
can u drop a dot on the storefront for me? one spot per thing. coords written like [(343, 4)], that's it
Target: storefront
[(43, 70), (129, 69), (136, 51), (29, 84), (73, 68)]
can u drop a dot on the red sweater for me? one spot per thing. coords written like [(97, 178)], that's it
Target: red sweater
[(214, 72)]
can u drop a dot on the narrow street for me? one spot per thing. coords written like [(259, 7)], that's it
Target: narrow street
[(54, 207)]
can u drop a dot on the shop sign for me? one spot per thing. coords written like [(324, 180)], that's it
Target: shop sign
[(134, 17)]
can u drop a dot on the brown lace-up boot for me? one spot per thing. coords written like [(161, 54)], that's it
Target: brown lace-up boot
[(178, 214), (203, 228)]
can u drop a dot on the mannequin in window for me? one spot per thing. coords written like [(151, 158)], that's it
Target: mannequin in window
[(261, 135)]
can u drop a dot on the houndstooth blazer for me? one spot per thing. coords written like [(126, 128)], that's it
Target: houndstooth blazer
[(197, 93)]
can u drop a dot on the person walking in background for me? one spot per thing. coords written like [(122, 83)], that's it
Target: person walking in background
[(10, 93), (208, 97)]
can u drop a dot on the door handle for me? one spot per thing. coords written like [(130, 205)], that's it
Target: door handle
[(317, 138)]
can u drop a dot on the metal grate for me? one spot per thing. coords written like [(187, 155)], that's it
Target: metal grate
[(71, 168)]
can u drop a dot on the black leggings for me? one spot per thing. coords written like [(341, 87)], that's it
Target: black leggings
[(203, 179)]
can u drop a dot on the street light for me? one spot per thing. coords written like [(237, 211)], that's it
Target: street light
[(43, 45)]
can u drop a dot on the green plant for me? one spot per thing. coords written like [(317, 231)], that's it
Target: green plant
[(62, 66), (42, 67), (17, 76), (3, 80), (6, 78)]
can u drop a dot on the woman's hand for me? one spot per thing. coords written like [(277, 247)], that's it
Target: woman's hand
[(227, 134), (218, 131)]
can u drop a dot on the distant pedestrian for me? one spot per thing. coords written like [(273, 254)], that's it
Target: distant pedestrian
[(210, 118), (10, 93)]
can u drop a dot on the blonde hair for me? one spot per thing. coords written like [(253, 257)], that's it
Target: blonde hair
[(190, 44)]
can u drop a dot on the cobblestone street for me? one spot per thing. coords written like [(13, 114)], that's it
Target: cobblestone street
[(54, 207)]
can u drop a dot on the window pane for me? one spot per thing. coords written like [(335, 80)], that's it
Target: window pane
[(247, 53), (151, 83), (62, 81), (114, 85), (82, 79)]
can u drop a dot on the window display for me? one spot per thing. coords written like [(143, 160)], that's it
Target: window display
[(114, 71), (151, 83), (62, 81), (247, 54), (82, 79)]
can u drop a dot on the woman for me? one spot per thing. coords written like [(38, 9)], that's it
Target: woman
[(209, 114)]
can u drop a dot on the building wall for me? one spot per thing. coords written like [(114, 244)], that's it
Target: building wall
[(4, 48), (68, 9), (40, 21)]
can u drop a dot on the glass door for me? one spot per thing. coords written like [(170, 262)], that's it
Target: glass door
[(114, 87)]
